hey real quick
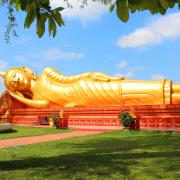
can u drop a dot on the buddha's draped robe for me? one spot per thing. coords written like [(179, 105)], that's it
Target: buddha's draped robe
[(87, 90)]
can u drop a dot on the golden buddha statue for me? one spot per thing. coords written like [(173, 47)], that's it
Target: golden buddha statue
[(52, 89)]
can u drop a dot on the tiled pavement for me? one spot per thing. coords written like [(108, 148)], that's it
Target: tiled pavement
[(79, 132), (44, 138)]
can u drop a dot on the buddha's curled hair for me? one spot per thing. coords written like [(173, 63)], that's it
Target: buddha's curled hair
[(26, 70)]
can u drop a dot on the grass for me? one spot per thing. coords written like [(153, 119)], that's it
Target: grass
[(115, 155), (20, 131)]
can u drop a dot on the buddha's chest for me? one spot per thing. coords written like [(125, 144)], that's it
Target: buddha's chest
[(52, 91)]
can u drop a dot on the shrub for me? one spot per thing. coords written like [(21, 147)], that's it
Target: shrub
[(125, 119)]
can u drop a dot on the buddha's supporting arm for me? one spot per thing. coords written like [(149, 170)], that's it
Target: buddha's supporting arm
[(29, 102)]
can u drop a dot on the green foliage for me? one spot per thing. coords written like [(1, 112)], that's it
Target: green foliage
[(10, 28), (123, 7), (122, 10), (40, 11), (111, 8), (125, 119)]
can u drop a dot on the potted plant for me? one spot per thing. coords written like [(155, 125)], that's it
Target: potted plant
[(125, 119)]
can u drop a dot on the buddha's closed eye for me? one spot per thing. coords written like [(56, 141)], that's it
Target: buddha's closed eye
[(13, 75)]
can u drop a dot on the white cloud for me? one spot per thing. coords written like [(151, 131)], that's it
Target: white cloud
[(131, 72), (157, 77), (167, 27), (128, 75), (91, 12), (55, 53), (122, 64)]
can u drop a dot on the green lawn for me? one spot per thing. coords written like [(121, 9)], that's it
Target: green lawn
[(116, 155), (20, 131)]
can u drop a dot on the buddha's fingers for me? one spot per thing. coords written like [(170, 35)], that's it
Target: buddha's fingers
[(99, 77), (117, 78)]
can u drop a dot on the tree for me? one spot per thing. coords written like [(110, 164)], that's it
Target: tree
[(41, 12)]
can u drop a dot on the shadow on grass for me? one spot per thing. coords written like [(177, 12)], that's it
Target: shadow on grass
[(8, 131), (103, 156)]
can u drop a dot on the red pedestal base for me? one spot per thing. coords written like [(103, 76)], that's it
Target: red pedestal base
[(63, 123), (106, 117)]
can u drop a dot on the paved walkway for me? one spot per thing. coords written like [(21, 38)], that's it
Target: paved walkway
[(44, 138)]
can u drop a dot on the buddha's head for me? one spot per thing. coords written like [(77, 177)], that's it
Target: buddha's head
[(18, 79)]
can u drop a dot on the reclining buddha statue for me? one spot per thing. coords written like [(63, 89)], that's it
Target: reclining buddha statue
[(52, 89)]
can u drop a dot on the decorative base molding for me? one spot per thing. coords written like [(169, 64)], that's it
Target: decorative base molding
[(105, 117)]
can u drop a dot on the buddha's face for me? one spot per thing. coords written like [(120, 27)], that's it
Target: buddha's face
[(17, 80)]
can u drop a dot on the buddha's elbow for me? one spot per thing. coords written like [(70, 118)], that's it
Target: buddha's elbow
[(41, 104)]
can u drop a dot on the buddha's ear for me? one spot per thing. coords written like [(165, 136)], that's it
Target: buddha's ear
[(3, 74)]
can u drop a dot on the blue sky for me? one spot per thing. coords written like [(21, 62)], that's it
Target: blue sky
[(146, 47)]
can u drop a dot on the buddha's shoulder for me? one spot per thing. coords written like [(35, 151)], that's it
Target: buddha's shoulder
[(51, 72), (48, 70)]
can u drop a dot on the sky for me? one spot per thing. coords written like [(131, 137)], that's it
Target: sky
[(95, 40)]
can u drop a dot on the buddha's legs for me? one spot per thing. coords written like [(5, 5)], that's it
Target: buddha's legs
[(176, 94)]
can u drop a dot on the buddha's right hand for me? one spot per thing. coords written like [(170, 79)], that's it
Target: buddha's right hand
[(29, 102)]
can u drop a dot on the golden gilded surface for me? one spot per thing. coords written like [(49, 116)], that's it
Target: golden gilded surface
[(52, 89)]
